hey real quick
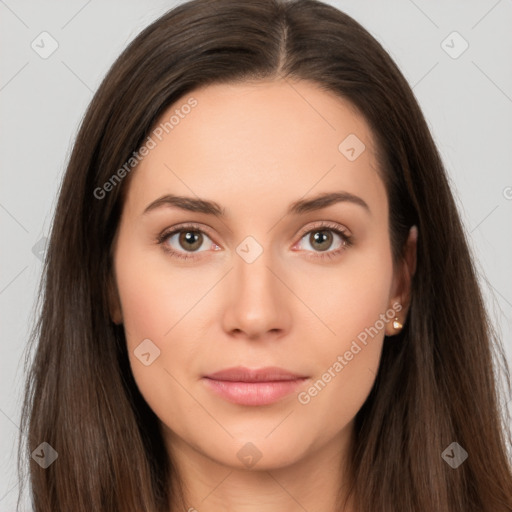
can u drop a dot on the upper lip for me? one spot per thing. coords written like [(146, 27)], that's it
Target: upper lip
[(243, 374)]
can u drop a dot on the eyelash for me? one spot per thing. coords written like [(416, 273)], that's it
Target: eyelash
[(322, 226)]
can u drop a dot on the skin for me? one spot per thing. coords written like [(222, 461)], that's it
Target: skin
[(254, 148)]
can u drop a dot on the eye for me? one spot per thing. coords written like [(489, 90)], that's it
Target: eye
[(323, 236), (190, 239)]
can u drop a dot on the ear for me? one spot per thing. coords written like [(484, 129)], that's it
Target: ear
[(401, 296), (114, 302)]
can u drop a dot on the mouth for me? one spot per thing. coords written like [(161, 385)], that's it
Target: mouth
[(256, 387)]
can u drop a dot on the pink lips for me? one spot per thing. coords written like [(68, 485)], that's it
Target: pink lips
[(244, 386)]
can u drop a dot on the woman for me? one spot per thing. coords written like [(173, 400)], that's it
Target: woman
[(197, 350)]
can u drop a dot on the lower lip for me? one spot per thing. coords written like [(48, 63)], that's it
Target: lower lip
[(253, 393)]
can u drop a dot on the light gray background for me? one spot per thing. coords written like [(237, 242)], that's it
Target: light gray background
[(466, 100)]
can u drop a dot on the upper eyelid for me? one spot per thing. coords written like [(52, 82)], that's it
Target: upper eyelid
[(327, 225)]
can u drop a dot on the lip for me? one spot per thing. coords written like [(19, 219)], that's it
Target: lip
[(245, 386)]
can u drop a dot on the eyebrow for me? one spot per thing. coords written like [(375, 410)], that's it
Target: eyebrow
[(299, 207)]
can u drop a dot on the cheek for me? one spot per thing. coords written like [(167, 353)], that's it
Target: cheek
[(158, 298), (349, 297), (154, 307), (354, 304), (152, 300)]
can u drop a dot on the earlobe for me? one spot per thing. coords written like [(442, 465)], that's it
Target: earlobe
[(403, 288), (395, 325)]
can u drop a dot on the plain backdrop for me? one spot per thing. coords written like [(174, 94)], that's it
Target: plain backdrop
[(465, 94)]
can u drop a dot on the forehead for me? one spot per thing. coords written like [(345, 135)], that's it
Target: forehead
[(265, 141)]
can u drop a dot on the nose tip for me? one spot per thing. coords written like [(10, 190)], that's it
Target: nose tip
[(257, 306)]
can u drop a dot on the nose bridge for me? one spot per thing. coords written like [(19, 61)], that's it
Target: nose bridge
[(256, 304), (252, 274)]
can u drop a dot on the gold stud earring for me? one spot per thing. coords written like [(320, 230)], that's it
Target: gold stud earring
[(397, 324)]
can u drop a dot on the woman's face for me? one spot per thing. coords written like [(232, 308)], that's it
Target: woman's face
[(281, 279)]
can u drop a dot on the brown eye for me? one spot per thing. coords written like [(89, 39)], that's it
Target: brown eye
[(321, 239), (185, 242), (326, 240), (190, 240)]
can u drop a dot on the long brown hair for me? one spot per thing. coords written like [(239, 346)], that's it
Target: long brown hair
[(438, 380)]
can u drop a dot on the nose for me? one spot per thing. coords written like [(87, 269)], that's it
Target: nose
[(258, 301)]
